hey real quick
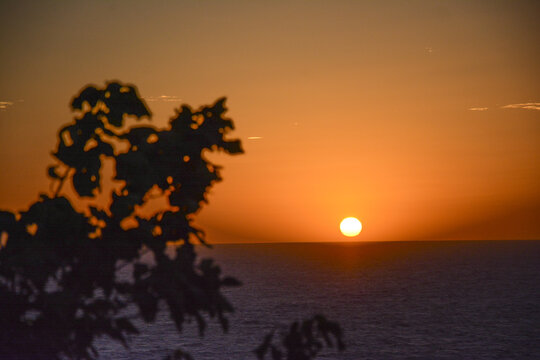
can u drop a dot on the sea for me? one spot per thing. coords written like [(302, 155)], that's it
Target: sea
[(393, 300)]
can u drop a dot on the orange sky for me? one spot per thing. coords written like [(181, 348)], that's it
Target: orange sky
[(421, 118)]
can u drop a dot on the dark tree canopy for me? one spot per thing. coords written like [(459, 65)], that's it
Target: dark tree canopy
[(60, 287), (58, 267)]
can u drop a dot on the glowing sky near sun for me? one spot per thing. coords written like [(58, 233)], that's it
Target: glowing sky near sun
[(421, 118)]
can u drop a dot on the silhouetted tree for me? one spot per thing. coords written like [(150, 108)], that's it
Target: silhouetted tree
[(303, 341), (60, 287)]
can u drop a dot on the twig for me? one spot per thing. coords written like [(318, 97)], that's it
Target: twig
[(62, 180)]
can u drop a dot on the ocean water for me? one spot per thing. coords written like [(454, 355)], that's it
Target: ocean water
[(394, 300)]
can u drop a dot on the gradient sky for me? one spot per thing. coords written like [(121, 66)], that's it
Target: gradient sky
[(421, 118)]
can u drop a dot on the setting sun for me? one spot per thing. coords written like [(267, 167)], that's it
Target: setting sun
[(350, 226)]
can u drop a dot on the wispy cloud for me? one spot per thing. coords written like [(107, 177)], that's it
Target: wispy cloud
[(165, 98), (528, 106), (478, 108), (254, 137), (5, 104)]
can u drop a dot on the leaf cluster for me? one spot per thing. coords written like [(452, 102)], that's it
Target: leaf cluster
[(60, 287), (303, 340)]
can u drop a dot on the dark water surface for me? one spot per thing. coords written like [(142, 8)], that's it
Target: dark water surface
[(395, 300)]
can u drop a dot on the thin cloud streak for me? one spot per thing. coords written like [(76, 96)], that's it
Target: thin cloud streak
[(164, 98), (5, 104), (527, 106), (478, 108)]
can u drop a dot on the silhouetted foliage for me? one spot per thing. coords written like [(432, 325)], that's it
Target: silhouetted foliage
[(60, 283), (303, 341)]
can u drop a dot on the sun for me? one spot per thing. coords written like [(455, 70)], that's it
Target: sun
[(350, 226)]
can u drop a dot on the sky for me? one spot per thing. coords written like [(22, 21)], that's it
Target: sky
[(420, 118)]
